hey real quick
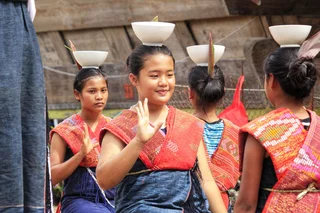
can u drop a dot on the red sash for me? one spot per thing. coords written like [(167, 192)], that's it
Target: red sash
[(295, 154), (224, 163), (177, 149), (72, 130)]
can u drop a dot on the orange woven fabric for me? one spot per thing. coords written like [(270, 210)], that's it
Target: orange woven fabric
[(177, 149), (295, 154), (224, 163), (72, 130)]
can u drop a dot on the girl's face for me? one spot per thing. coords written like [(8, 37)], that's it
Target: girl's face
[(94, 94), (156, 80)]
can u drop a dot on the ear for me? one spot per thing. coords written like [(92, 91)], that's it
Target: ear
[(133, 79), (76, 94), (191, 93), (272, 81)]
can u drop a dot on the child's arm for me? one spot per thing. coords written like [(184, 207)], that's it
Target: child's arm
[(208, 183), (61, 169), (116, 159)]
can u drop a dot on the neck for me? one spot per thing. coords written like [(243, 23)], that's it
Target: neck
[(209, 115), (295, 106), (90, 118)]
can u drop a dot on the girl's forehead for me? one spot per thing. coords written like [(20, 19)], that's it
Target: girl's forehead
[(94, 80), (158, 60)]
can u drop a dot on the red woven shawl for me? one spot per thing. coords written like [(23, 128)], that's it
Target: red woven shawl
[(177, 149), (295, 154), (72, 130), (224, 163)]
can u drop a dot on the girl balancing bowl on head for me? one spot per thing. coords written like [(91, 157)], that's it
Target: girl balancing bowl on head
[(75, 148), (280, 151), (206, 89), (153, 152)]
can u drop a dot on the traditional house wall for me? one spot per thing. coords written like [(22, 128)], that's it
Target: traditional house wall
[(105, 25)]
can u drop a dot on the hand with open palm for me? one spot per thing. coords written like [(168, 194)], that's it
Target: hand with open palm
[(145, 130), (87, 145)]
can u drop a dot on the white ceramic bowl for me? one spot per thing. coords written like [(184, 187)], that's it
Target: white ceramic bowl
[(290, 35), (152, 33), (199, 54), (89, 59)]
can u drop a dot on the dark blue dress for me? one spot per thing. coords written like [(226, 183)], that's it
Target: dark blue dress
[(82, 194), (168, 191)]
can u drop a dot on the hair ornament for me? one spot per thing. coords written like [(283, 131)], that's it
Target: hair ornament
[(310, 47), (72, 48), (257, 2), (211, 57)]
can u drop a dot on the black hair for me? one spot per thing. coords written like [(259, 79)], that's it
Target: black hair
[(85, 74), (296, 76), (135, 60), (209, 89)]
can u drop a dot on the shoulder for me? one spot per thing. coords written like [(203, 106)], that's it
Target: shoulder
[(229, 124), (107, 119)]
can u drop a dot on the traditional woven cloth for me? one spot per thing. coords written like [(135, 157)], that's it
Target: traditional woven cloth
[(295, 154), (224, 163), (175, 150), (72, 130)]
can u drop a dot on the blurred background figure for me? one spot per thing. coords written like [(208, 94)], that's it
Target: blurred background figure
[(22, 111)]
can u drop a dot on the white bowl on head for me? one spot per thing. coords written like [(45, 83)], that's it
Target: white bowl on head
[(199, 54), (290, 35), (90, 59), (152, 33)]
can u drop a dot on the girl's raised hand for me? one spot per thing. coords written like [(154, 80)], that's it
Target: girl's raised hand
[(87, 145), (145, 130)]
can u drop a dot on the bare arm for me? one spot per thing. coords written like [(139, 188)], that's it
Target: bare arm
[(251, 176), (208, 183), (60, 170), (116, 159)]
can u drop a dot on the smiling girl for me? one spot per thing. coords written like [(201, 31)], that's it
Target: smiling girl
[(75, 147), (154, 152)]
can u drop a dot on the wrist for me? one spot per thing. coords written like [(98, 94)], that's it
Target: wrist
[(138, 141), (81, 153)]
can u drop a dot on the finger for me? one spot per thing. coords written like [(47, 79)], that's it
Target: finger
[(145, 107), (85, 128), (85, 133), (138, 113), (95, 145), (141, 109)]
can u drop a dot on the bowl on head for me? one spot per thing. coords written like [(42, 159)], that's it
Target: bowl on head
[(199, 54), (152, 33), (90, 59), (290, 35)]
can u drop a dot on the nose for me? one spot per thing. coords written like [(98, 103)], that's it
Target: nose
[(99, 96), (163, 81)]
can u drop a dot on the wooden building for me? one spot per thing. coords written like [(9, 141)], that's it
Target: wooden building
[(240, 25)]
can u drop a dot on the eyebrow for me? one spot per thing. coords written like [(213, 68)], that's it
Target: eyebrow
[(160, 71)]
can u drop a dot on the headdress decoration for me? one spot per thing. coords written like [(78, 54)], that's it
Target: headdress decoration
[(310, 47), (257, 2), (156, 19), (211, 57), (73, 48)]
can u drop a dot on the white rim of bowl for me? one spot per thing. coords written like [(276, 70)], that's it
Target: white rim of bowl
[(290, 25), (152, 23)]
